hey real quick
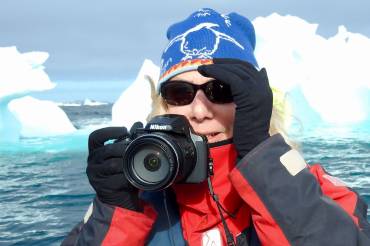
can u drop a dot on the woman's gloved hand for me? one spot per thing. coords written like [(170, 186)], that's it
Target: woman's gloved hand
[(253, 98), (105, 167)]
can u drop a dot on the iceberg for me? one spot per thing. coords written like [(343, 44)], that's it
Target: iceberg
[(135, 103), (329, 74), (21, 115), (89, 102), (40, 117), (21, 74)]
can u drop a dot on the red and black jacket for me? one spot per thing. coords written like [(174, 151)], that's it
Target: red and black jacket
[(277, 199)]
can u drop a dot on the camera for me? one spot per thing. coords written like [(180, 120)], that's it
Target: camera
[(164, 152)]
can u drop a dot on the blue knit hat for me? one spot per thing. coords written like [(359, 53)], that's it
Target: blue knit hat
[(204, 35)]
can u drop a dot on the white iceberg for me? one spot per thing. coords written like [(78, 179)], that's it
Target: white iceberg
[(21, 74), (89, 102), (22, 116), (40, 117), (135, 102), (331, 74)]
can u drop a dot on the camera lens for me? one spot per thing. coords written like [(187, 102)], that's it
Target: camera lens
[(152, 162)]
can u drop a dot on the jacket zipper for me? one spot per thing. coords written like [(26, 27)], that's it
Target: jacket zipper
[(172, 240)]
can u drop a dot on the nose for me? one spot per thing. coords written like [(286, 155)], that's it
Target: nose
[(201, 107)]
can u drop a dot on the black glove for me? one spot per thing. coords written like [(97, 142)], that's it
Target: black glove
[(253, 98), (105, 167)]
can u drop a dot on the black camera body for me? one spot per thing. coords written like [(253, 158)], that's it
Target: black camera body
[(164, 152)]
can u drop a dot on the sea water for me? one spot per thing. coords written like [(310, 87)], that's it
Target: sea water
[(44, 190)]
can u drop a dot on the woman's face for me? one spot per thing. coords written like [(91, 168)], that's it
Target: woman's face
[(215, 121)]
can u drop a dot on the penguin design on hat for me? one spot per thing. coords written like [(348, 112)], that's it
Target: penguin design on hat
[(191, 50)]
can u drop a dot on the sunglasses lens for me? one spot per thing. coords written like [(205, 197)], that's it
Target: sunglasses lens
[(218, 92), (182, 93), (177, 93)]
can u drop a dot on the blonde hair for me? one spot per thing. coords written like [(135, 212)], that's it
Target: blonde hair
[(280, 117)]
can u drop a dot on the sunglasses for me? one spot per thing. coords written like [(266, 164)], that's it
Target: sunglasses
[(179, 93)]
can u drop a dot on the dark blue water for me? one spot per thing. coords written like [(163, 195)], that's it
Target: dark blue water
[(44, 191)]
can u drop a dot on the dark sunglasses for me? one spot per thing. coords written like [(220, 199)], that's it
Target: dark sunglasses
[(178, 92)]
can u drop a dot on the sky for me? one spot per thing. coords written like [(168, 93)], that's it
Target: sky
[(91, 40)]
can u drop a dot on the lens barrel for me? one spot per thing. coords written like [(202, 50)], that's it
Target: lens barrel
[(154, 161)]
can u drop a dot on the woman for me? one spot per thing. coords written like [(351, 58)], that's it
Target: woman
[(266, 193)]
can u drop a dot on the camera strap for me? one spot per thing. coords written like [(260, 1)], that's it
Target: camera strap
[(221, 209)]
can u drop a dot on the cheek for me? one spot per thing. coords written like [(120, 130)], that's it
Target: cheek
[(226, 116)]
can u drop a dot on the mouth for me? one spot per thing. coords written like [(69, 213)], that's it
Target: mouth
[(210, 136)]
